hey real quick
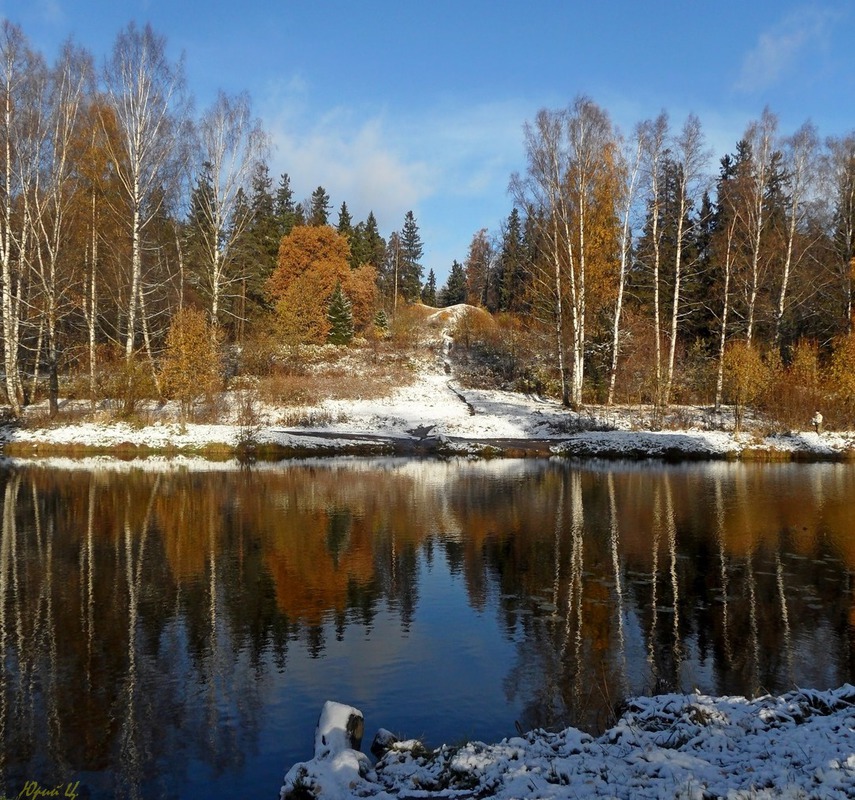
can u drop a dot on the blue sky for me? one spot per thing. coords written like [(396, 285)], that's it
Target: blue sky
[(397, 106)]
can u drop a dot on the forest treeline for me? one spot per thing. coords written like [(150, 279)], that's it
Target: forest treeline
[(141, 242)]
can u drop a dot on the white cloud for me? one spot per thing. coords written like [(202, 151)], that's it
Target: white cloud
[(391, 162), (779, 50)]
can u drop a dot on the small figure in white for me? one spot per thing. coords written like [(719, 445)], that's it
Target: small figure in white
[(817, 422)]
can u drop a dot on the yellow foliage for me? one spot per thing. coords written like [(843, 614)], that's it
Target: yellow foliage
[(312, 259), (842, 371), (190, 364), (746, 376)]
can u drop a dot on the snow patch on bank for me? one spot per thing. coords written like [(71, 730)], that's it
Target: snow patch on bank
[(798, 745), (433, 407)]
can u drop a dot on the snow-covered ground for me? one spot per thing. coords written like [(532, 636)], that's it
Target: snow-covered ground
[(799, 745), (433, 411)]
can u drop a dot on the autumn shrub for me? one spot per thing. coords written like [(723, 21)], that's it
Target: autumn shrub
[(286, 389), (695, 376), (190, 366), (794, 391), (636, 378), (127, 381), (258, 352), (406, 327), (840, 408), (746, 376), (497, 352)]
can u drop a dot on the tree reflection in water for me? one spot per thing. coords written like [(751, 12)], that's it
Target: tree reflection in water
[(150, 619)]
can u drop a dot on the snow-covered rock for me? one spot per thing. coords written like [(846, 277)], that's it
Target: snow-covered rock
[(338, 767)]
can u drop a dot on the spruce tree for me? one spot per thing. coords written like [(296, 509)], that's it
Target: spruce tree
[(454, 291), (429, 290), (381, 322), (511, 269), (345, 222), (409, 266), (340, 317), (367, 245), (284, 205), (264, 228), (320, 208)]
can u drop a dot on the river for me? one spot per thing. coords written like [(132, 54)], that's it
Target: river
[(172, 631)]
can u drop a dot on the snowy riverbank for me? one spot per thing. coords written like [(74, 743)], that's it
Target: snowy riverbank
[(431, 415), (798, 745)]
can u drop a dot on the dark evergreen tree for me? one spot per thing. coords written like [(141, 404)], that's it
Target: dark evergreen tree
[(641, 279), (340, 316), (410, 267), (284, 205), (429, 290), (454, 291), (257, 249), (381, 321), (319, 213), (264, 227), (300, 215), (389, 279), (345, 222), (367, 245), (510, 274), (200, 229)]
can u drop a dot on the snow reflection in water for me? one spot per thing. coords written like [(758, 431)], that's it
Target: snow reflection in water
[(173, 631)]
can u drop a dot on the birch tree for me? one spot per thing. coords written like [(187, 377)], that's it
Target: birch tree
[(70, 85), (654, 152), (233, 145), (690, 157), (146, 93), (541, 193), (839, 173), (22, 84), (630, 166), (568, 194), (800, 159), (760, 137)]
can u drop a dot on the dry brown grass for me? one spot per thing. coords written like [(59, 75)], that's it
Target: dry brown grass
[(337, 374)]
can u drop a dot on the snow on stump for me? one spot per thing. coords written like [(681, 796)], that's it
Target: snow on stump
[(338, 767)]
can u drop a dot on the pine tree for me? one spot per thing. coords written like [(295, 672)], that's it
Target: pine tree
[(320, 208), (409, 266), (429, 290), (340, 316)]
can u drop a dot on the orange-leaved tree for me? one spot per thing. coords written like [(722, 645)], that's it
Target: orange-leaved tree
[(190, 362), (312, 260)]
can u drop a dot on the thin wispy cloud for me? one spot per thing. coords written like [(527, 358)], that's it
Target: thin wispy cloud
[(780, 51), (391, 161)]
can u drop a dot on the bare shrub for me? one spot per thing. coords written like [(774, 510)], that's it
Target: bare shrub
[(128, 381), (249, 421), (308, 418)]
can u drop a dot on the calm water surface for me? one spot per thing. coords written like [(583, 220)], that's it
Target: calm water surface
[(174, 633)]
